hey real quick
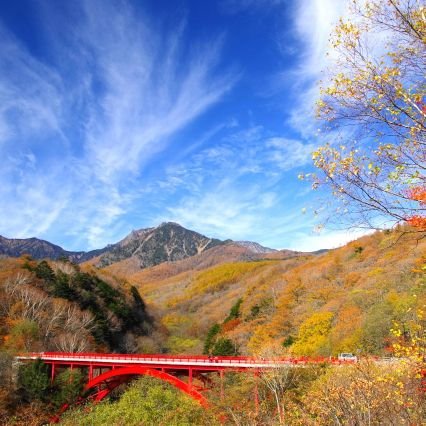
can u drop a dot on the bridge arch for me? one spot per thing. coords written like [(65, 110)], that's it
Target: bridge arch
[(115, 377)]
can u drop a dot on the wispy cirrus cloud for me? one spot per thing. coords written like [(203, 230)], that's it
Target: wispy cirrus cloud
[(30, 94), (313, 23), (152, 88), (238, 188), (75, 143)]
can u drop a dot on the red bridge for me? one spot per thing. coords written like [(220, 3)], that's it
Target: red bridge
[(190, 374)]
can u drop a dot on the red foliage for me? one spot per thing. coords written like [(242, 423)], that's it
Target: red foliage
[(417, 194)]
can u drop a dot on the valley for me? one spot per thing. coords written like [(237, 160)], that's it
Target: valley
[(225, 300)]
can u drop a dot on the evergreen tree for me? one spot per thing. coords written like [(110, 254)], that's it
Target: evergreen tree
[(34, 379), (234, 313), (69, 385), (224, 347), (45, 272), (211, 338)]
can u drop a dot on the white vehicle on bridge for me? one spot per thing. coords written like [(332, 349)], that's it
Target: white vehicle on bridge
[(347, 357)]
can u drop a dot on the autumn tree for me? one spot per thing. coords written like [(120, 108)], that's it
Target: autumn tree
[(146, 402), (374, 100), (313, 337), (375, 393)]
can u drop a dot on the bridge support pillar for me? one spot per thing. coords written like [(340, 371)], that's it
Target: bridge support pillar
[(52, 372), (256, 393), (15, 373), (222, 393), (190, 378)]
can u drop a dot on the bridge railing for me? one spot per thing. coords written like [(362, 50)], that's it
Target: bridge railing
[(193, 359)]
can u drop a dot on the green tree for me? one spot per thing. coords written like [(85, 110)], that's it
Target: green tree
[(224, 347), (211, 338), (23, 335), (68, 386), (235, 311), (45, 272), (34, 380), (62, 287), (146, 402), (375, 330)]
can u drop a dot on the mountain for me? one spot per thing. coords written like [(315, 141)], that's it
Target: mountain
[(36, 248), (41, 249), (143, 248), (228, 252), (152, 246), (255, 247)]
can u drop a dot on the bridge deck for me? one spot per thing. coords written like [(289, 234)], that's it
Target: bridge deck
[(184, 361)]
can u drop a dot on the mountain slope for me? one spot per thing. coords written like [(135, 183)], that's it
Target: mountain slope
[(350, 296), (230, 252)]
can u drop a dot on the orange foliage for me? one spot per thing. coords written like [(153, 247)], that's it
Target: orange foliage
[(417, 221), (418, 194), (230, 325)]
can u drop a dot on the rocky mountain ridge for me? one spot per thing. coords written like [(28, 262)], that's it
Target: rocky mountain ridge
[(146, 247), (167, 242), (255, 247), (42, 249)]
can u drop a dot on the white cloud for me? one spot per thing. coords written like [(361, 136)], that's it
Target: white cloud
[(152, 87), (75, 142), (30, 93), (288, 153), (326, 239), (314, 21), (226, 213)]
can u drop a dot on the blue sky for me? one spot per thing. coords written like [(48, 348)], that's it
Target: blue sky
[(120, 115)]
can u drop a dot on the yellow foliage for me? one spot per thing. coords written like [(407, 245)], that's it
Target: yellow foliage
[(218, 277), (261, 338), (182, 345), (174, 321), (313, 337), (376, 271)]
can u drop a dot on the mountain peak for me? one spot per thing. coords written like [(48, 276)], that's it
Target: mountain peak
[(173, 224), (165, 243)]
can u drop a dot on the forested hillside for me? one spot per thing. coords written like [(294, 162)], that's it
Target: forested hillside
[(342, 300), (56, 306), (53, 305)]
